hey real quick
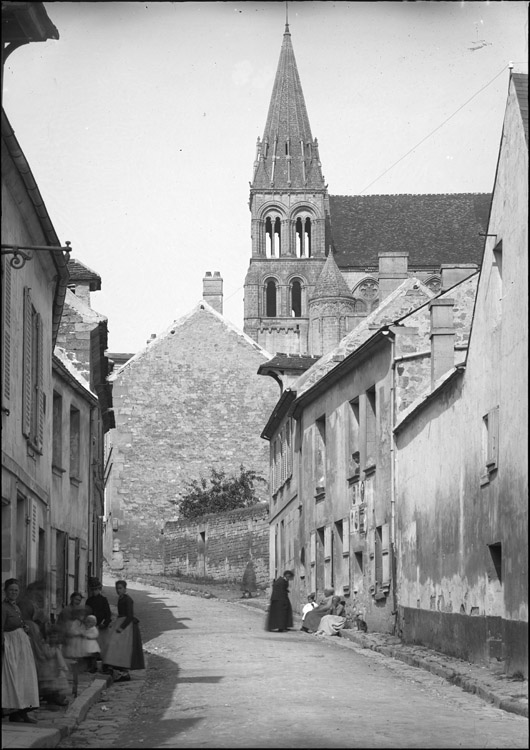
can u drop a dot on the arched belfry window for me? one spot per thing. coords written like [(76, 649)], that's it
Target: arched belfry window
[(273, 245), (303, 237), (270, 298), (296, 298)]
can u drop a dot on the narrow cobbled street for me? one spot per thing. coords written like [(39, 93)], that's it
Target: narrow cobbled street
[(216, 678)]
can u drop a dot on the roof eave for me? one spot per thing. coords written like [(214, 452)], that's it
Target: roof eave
[(50, 235)]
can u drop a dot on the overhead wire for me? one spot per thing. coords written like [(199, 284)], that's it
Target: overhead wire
[(435, 129)]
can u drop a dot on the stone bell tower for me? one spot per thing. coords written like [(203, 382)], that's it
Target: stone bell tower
[(289, 206)]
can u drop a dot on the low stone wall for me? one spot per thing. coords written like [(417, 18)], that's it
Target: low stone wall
[(225, 547)]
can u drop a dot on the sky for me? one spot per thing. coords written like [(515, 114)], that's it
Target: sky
[(140, 126)]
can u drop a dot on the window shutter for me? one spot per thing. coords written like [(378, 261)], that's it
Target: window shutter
[(346, 535), (386, 556), (371, 555), (327, 542), (40, 383), (26, 368), (6, 354), (313, 548), (493, 436)]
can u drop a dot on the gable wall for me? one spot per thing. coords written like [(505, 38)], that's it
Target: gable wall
[(193, 400)]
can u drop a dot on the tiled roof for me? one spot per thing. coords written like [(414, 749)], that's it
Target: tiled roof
[(331, 283), (283, 361), (80, 272), (434, 229), (520, 81)]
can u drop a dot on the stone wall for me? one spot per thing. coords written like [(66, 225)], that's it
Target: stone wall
[(221, 547)]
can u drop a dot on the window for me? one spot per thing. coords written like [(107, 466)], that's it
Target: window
[(303, 237), (296, 298), (270, 299), (371, 423), (33, 373), (57, 454), (382, 560), (273, 237), (320, 455), (75, 420), (491, 439), (353, 442)]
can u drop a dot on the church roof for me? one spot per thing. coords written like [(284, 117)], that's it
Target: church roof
[(433, 228), (331, 282), (287, 155)]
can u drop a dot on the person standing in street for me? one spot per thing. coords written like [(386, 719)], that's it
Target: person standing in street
[(20, 687), (99, 606), (280, 614), (123, 650)]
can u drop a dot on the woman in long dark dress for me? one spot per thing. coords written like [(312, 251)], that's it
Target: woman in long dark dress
[(123, 650), (280, 615), (20, 688)]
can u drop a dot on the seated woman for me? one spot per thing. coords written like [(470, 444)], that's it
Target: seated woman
[(312, 619), (335, 621)]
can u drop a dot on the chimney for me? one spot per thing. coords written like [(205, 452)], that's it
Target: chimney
[(212, 290), (452, 273), (393, 270), (442, 337)]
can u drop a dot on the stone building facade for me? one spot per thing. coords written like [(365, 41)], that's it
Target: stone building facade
[(190, 400), (332, 510), (462, 526)]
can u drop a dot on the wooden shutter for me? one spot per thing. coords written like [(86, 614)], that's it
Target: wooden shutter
[(493, 437), (6, 353), (313, 548), (40, 383), (346, 535), (26, 365), (327, 542), (386, 555)]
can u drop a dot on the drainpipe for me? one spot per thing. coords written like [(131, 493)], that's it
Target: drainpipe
[(90, 535), (393, 459)]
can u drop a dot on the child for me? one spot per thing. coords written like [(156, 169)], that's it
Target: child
[(52, 671), (311, 604), (91, 643)]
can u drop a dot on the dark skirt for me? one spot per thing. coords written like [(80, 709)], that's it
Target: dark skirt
[(280, 615), (124, 649)]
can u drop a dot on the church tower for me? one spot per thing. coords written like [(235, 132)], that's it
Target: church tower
[(289, 206)]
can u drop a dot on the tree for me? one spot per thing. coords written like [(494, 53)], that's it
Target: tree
[(219, 493)]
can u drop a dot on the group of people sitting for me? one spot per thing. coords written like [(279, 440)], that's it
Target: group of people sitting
[(326, 618)]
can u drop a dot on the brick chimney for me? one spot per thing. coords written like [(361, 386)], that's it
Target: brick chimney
[(452, 273), (442, 337), (212, 290), (393, 270)]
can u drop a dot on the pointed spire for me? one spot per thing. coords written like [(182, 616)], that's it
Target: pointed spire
[(331, 282), (289, 156)]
